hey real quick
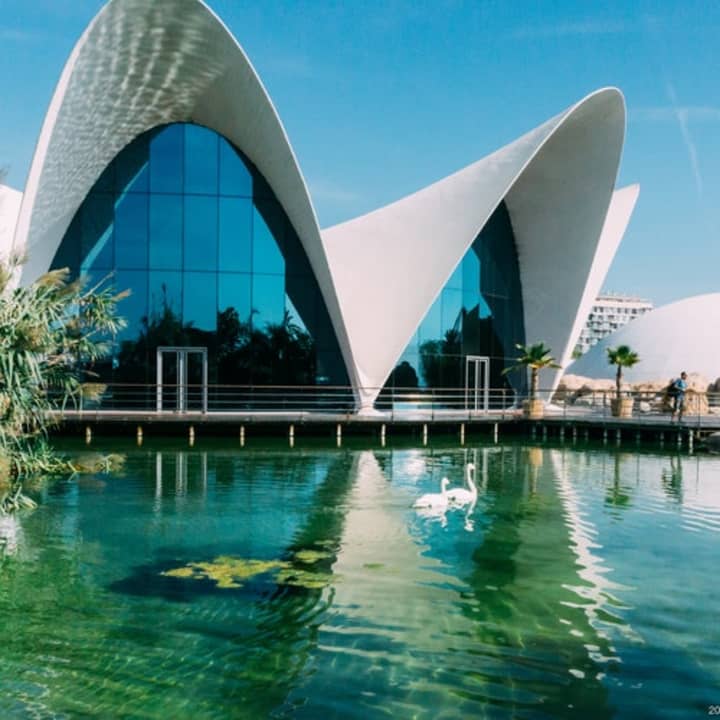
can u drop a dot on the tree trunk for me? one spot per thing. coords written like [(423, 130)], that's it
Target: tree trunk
[(618, 381), (533, 383)]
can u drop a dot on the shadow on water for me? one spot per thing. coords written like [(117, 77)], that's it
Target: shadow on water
[(288, 611)]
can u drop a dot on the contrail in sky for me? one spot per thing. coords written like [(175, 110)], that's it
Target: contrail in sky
[(681, 114)]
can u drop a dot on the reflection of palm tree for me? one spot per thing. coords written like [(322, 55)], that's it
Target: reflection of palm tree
[(440, 360), (521, 534), (535, 461), (616, 495), (239, 352), (281, 354)]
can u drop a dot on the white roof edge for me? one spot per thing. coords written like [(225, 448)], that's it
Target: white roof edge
[(411, 246), (617, 220), (123, 77)]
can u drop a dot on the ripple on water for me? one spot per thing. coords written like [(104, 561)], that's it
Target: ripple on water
[(582, 580)]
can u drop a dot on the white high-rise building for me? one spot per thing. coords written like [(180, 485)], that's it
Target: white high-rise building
[(608, 313)]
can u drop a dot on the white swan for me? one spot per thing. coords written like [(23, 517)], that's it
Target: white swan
[(434, 500), (461, 496)]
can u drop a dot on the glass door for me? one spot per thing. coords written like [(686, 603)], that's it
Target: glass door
[(182, 374), (477, 383)]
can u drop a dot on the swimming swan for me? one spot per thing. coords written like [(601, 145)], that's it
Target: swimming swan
[(434, 500), (461, 496)]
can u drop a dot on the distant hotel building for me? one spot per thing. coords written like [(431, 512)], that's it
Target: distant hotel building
[(609, 313)]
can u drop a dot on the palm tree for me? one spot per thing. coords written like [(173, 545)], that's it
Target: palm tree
[(622, 356), (536, 357)]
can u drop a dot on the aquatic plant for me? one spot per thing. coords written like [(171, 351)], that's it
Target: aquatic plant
[(226, 571), (308, 557), (308, 579), (229, 572)]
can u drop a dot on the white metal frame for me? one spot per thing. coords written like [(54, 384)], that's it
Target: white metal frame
[(480, 367), (181, 357)]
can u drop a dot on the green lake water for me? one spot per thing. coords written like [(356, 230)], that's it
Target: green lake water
[(582, 584)]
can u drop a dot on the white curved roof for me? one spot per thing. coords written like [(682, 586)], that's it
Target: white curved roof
[(138, 65), (557, 182), (142, 64), (684, 335)]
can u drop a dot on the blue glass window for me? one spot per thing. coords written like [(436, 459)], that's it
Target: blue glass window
[(235, 291), (470, 279), (193, 230), (431, 327), (96, 245), (165, 295), (131, 167), (131, 230), (135, 305), (201, 228), (200, 300), (235, 178), (235, 232), (201, 160), (268, 300), (456, 279), (166, 231), (451, 308), (267, 257), (166, 160)]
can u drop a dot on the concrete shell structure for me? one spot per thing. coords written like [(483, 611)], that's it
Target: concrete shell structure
[(141, 65), (566, 221), (683, 335)]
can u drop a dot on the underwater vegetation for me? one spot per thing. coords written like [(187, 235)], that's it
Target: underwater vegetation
[(228, 572)]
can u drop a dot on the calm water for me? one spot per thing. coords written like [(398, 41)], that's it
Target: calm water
[(584, 583)]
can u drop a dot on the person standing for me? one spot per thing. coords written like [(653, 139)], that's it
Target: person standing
[(678, 388)]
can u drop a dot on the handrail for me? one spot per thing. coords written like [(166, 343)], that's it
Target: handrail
[(395, 403)]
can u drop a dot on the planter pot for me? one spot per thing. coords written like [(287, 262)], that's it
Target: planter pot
[(534, 409), (622, 408)]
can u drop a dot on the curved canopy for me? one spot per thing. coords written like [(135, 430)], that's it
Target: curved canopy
[(557, 182), (139, 65)]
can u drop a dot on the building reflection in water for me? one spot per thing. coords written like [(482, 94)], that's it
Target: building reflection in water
[(174, 468), (598, 594)]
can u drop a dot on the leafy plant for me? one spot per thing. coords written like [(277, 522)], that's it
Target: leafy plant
[(621, 356), (536, 357), (51, 333)]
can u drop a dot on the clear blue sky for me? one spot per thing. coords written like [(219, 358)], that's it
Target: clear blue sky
[(382, 97)]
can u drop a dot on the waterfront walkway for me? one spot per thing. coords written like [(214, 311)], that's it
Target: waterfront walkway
[(557, 422)]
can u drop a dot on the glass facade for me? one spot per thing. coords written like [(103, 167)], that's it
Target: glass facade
[(478, 312), (187, 223)]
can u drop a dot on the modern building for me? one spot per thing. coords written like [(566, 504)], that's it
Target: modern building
[(163, 160), (684, 335), (608, 314)]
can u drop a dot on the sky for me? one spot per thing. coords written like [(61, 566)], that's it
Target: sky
[(382, 97)]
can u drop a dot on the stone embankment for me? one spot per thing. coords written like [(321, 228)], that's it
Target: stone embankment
[(702, 397)]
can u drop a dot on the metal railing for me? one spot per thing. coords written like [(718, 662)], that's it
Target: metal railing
[(394, 403)]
